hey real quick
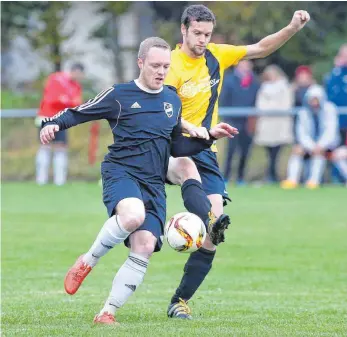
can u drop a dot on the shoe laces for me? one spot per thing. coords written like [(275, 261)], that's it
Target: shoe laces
[(184, 306), (78, 275)]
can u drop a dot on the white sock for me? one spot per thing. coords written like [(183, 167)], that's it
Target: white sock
[(60, 162), (111, 234), (128, 278), (42, 164), (294, 167), (341, 164), (317, 169)]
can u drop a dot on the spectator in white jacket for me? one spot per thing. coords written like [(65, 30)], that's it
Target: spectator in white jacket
[(317, 134), (274, 131)]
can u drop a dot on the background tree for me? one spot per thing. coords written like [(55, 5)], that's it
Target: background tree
[(40, 22), (109, 31)]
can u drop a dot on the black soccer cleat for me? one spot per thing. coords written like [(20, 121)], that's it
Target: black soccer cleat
[(179, 309), (216, 229)]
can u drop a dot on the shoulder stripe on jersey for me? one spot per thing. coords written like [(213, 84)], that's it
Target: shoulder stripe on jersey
[(99, 97), (214, 72), (171, 87)]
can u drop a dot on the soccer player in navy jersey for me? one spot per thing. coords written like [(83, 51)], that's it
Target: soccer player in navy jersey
[(145, 120)]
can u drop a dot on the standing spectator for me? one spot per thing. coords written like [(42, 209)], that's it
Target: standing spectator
[(274, 131), (317, 131), (336, 84), (336, 88), (239, 89), (62, 90)]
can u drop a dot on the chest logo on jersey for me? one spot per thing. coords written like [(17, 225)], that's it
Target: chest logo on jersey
[(168, 108), (190, 89)]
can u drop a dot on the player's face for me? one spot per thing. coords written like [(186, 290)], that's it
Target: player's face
[(197, 36), (155, 67)]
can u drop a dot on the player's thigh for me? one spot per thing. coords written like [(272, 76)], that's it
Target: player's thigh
[(122, 195), (181, 169), (142, 242)]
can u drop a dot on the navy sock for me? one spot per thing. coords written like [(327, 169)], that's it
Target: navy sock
[(195, 271), (196, 201)]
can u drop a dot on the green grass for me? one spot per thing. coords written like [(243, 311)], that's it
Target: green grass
[(282, 271)]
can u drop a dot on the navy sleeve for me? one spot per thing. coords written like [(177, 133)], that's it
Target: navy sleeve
[(103, 106), (182, 146)]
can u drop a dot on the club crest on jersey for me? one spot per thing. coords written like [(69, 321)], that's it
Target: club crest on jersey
[(168, 108)]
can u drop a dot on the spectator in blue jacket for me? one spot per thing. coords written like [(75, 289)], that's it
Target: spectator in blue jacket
[(336, 88), (240, 87), (336, 83)]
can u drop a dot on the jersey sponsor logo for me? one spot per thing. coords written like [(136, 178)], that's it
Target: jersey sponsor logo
[(136, 106), (190, 89), (168, 108)]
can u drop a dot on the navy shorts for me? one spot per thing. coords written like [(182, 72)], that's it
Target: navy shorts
[(118, 185), (60, 137), (211, 177)]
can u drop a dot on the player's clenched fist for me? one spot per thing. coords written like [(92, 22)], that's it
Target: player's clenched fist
[(48, 133), (223, 130), (299, 20)]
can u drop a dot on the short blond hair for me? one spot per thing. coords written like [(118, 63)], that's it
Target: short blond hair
[(151, 42)]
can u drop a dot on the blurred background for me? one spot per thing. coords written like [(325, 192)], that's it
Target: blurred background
[(42, 38)]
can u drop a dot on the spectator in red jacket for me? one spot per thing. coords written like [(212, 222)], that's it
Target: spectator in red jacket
[(62, 90)]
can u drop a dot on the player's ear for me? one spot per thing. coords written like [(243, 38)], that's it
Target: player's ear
[(140, 63), (183, 29)]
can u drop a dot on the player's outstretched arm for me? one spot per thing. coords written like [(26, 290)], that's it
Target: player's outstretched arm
[(271, 43), (103, 106)]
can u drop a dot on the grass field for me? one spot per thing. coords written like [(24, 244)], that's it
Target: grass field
[(282, 272)]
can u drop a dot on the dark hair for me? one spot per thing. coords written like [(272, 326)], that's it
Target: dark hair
[(77, 66), (197, 13)]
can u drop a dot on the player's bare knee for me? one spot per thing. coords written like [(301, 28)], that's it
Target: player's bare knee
[(131, 212)]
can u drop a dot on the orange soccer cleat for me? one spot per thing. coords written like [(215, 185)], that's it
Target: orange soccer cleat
[(75, 276), (105, 318)]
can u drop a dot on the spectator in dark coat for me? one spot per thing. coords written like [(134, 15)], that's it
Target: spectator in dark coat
[(240, 88)]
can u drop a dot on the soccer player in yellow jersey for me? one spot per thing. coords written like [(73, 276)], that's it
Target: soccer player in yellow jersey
[(196, 73)]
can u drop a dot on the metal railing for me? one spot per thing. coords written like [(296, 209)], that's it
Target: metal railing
[(223, 112)]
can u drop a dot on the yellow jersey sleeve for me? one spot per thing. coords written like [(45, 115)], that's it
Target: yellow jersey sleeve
[(230, 55)]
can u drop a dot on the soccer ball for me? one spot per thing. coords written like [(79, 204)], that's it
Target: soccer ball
[(185, 232)]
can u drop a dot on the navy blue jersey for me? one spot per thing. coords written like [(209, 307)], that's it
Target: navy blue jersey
[(146, 128)]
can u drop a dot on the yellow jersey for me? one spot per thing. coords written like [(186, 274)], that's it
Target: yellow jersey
[(198, 81)]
